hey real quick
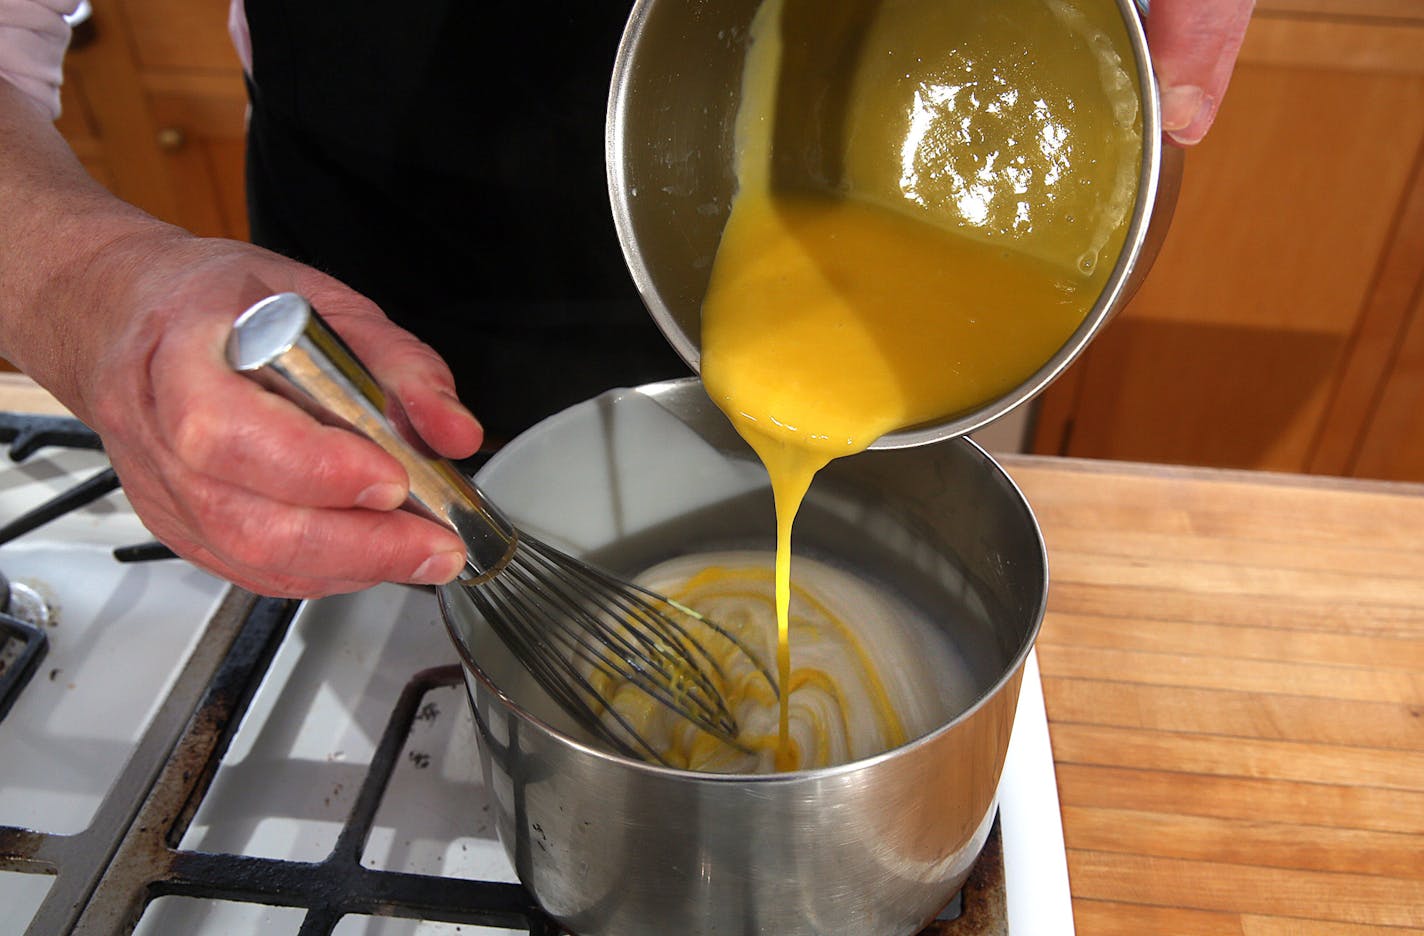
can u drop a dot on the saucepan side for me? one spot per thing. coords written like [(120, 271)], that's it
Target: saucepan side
[(608, 845), (670, 153)]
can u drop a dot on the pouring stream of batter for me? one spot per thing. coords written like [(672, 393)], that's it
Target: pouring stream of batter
[(953, 257)]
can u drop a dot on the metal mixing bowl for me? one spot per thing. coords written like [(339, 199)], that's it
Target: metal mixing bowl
[(669, 147), (609, 845)]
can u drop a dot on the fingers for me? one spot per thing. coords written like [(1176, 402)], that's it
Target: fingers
[(277, 549), (267, 497), (264, 543), (417, 379), (1194, 47), (224, 426), (241, 481), (316, 573)]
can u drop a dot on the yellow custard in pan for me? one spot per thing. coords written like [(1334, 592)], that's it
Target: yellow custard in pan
[(931, 197), (871, 672)]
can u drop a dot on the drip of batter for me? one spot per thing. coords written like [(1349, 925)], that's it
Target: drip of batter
[(982, 163)]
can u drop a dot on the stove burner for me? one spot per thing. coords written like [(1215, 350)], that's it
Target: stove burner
[(22, 640)]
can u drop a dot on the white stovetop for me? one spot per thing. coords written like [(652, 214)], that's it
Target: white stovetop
[(296, 763)]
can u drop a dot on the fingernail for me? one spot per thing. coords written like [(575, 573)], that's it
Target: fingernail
[(383, 495), (439, 568), (1181, 106)]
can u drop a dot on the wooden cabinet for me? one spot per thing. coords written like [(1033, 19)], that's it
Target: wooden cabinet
[(1283, 324), (154, 105)]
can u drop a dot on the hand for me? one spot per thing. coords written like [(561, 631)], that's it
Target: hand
[(126, 319), (1194, 46), (235, 478)]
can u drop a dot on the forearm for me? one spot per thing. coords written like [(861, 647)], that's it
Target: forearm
[(61, 262)]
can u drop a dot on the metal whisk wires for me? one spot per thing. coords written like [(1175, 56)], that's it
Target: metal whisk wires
[(563, 619), (567, 621)]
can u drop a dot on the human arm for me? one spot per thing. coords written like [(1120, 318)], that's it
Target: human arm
[(1194, 47), (124, 318)]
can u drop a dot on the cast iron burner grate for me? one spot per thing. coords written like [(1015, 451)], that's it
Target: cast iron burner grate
[(23, 644), (146, 865), (22, 647), (25, 433), (108, 874)]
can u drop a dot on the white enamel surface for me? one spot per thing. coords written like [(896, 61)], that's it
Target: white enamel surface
[(1035, 862), (296, 764), (120, 635)]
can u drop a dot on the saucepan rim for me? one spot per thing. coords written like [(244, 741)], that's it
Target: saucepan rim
[(1008, 673)]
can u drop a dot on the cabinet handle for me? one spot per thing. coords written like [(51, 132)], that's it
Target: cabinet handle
[(171, 139)]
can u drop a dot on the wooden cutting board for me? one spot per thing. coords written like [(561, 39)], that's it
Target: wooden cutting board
[(1233, 669)]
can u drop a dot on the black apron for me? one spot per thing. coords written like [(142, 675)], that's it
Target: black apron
[(445, 158)]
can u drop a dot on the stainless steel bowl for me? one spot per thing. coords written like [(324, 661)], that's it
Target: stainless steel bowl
[(670, 155), (609, 845)]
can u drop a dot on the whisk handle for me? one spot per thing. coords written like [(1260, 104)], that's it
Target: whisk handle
[(282, 343)]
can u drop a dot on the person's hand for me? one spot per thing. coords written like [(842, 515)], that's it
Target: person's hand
[(239, 480), (125, 320), (235, 478), (1194, 46)]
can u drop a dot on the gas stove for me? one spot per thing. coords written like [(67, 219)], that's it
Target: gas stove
[(180, 756)]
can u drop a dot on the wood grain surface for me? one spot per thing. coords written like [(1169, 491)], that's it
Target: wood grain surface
[(1233, 668)]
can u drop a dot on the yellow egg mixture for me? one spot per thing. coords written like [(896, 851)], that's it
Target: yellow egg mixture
[(931, 197), (847, 634)]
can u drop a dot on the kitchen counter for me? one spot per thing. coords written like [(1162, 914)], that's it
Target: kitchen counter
[(20, 394), (1233, 668)]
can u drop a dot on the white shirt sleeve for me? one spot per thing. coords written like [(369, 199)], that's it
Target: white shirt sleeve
[(33, 37), (237, 30)]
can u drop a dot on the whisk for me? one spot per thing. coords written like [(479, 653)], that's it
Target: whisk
[(562, 618)]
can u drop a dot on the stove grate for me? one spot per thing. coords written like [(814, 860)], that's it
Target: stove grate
[(340, 884), (27, 432), (148, 865), (107, 875), (22, 647)]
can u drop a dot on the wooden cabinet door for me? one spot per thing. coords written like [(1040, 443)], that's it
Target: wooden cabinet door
[(1244, 347), (154, 105), (200, 121)]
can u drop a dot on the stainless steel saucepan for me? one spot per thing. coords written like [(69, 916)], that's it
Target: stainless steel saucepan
[(609, 845)]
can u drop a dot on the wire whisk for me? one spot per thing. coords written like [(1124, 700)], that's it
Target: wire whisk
[(566, 621), (570, 624)]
